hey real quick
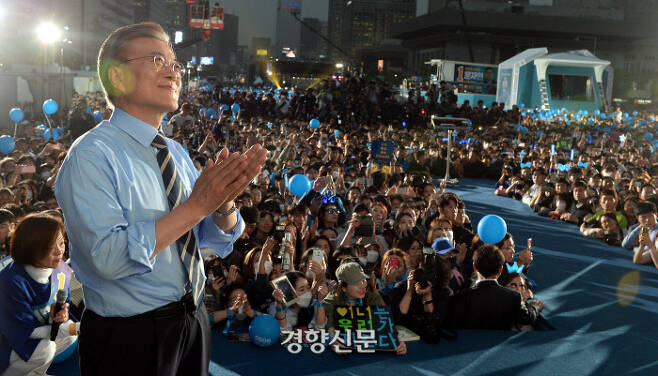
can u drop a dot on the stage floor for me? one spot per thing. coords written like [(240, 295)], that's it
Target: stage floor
[(603, 306)]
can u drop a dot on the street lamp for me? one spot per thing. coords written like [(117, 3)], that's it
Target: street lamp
[(49, 33)]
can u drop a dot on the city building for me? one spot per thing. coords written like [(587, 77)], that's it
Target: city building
[(616, 31), (365, 23), (312, 46), (288, 29)]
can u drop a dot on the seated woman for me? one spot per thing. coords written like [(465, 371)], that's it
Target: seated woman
[(235, 309), (28, 289), (302, 313), (393, 270), (515, 280), (352, 291), (606, 228)]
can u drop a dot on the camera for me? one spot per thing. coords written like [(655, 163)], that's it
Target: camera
[(612, 239), (425, 273)]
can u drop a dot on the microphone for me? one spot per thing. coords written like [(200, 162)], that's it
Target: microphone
[(61, 299)]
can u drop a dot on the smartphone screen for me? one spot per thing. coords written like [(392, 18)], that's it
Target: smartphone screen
[(529, 243), (318, 255)]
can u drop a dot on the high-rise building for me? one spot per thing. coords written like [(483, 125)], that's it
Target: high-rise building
[(365, 23), (288, 29), (312, 46), (227, 40)]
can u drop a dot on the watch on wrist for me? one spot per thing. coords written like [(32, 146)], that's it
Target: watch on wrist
[(226, 213)]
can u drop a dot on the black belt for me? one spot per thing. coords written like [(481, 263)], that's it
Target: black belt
[(174, 309)]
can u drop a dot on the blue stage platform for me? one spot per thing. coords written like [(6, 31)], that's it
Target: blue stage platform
[(604, 308)]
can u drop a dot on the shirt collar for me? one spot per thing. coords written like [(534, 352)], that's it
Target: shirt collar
[(137, 129)]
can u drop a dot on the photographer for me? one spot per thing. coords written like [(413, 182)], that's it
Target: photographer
[(421, 304), (646, 215)]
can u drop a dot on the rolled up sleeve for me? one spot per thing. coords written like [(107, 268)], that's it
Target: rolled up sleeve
[(211, 236), (100, 232)]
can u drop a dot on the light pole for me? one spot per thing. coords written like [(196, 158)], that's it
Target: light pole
[(58, 36), (48, 33)]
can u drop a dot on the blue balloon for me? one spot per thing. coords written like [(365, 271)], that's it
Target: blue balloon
[(625, 114), (97, 116), (214, 116), (492, 229), (524, 130), (57, 133), (210, 112), (648, 136), (203, 111), (635, 113), (264, 330), (585, 113), (516, 127), (66, 353), (597, 112), (16, 115), (522, 105), (299, 185), (49, 106), (314, 123), (235, 108), (223, 107), (7, 144)]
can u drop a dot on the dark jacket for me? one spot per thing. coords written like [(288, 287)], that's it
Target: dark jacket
[(489, 306)]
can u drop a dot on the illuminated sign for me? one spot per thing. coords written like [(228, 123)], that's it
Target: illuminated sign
[(380, 65), (290, 5), (178, 37), (207, 60), (261, 52)]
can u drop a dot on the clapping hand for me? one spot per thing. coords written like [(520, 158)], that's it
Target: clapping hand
[(223, 180), (232, 274)]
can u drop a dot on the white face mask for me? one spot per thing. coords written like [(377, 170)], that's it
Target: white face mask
[(561, 205), (304, 300), (268, 268), (240, 315), (373, 256), (363, 260)]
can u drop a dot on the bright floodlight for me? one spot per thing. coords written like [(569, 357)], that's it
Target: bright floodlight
[(339, 65), (48, 32)]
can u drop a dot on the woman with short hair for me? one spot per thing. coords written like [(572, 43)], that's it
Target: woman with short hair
[(29, 286)]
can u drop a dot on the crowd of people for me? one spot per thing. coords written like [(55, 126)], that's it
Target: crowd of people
[(379, 234)]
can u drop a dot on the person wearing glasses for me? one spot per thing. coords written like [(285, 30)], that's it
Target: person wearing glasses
[(137, 213)]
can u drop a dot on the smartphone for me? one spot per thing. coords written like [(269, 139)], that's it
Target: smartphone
[(366, 226), (23, 169), (287, 237), (529, 243), (309, 220), (318, 255), (335, 174), (403, 191)]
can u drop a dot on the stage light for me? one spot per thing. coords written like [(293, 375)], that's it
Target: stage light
[(48, 32), (339, 65)]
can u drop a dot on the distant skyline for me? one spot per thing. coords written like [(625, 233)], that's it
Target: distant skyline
[(258, 17)]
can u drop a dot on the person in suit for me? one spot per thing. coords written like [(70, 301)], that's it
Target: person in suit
[(487, 305)]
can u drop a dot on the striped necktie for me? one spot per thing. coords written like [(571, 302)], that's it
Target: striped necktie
[(189, 252)]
